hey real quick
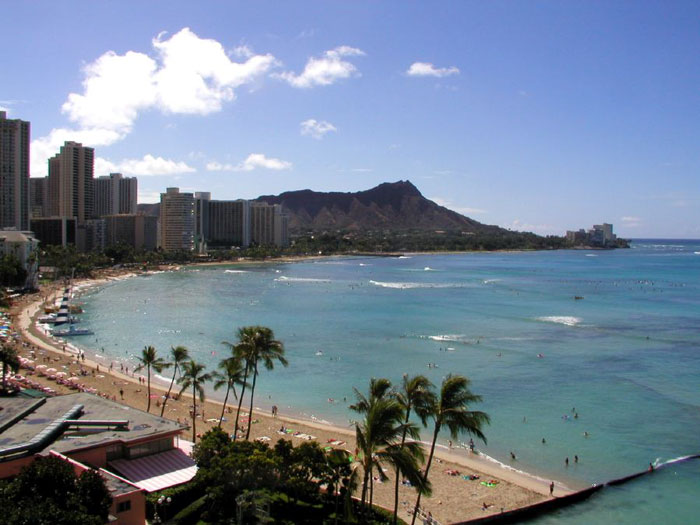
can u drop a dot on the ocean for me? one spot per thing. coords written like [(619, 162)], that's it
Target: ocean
[(597, 352)]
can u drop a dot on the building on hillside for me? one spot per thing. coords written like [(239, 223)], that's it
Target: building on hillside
[(14, 173), (24, 246), (115, 195), (71, 191), (38, 192), (55, 231), (138, 231), (268, 225), (177, 221)]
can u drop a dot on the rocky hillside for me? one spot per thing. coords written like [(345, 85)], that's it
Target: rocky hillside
[(389, 206)]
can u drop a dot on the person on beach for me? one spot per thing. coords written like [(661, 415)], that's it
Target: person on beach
[(512, 455), (575, 459), (551, 489), (651, 468), (121, 393), (566, 461)]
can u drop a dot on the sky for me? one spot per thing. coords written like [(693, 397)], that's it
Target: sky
[(538, 116)]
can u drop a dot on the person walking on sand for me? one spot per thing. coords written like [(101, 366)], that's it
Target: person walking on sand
[(551, 489), (566, 461)]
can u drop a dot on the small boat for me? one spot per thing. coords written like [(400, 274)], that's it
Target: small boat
[(578, 297), (71, 331), (320, 352)]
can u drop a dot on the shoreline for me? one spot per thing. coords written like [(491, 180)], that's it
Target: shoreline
[(448, 504)]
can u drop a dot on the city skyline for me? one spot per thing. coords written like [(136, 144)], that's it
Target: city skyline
[(541, 117)]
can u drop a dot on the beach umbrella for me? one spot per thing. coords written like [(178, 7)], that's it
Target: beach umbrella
[(74, 379), (51, 370), (41, 367), (61, 374)]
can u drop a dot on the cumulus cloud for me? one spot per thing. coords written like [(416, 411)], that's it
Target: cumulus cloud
[(148, 165), (316, 129), (184, 74), (252, 162), (326, 70), (426, 69), (464, 210)]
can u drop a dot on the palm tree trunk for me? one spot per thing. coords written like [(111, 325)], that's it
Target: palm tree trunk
[(371, 489), (252, 393), (223, 410), (148, 371), (167, 396), (4, 370), (365, 481), (240, 401), (427, 469), (398, 470), (194, 414)]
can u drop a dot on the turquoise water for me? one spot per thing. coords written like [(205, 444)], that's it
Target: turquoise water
[(626, 356)]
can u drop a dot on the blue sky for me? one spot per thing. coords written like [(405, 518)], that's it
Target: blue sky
[(539, 116)]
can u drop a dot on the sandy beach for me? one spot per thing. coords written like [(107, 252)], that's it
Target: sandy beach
[(454, 498)]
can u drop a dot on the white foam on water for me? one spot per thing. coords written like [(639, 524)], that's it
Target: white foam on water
[(489, 281), (236, 271), (429, 269), (448, 337), (696, 253), (405, 257), (411, 285), (567, 320), (301, 280), (591, 255)]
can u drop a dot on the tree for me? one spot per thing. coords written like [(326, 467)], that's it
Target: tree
[(178, 355), (48, 492), (255, 344), (415, 395), (377, 439), (149, 360), (452, 410), (232, 375), (193, 375), (10, 359)]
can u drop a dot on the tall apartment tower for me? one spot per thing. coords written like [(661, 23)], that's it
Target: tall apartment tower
[(201, 220), (228, 223), (38, 193), (115, 195), (177, 221), (71, 191), (14, 173), (268, 224)]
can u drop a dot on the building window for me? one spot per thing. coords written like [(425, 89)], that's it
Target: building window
[(124, 506)]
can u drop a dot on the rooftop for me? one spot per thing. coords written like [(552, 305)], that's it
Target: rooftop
[(22, 420)]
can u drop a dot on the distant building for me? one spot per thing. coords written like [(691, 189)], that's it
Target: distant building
[(14, 173), (138, 231), (71, 191), (38, 195), (91, 236), (601, 235), (55, 231), (24, 246), (177, 221), (228, 223), (115, 195)]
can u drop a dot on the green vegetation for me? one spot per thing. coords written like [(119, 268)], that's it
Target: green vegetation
[(10, 360), (48, 492), (193, 375), (12, 273), (178, 355), (149, 360)]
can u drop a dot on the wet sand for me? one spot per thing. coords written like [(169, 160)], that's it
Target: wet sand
[(454, 498)]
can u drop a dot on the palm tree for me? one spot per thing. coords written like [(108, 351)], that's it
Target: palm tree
[(9, 359), (232, 375), (377, 437), (178, 354), (415, 395), (452, 411), (193, 376), (149, 360), (255, 344)]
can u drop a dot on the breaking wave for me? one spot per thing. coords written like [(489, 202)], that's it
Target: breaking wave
[(410, 285), (567, 320), (301, 280), (236, 271)]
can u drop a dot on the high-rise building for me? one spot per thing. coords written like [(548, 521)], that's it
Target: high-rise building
[(201, 220), (137, 231), (38, 194), (14, 173), (228, 223), (71, 185), (115, 195), (268, 224), (177, 222)]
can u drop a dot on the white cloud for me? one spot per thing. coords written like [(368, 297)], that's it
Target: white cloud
[(464, 210), (252, 162), (325, 70), (316, 129), (186, 75), (148, 196), (426, 69), (148, 165), (542, 229), (631, 222)]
